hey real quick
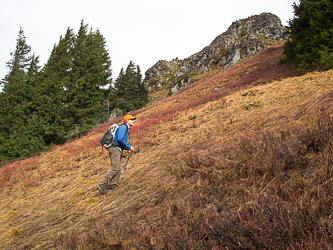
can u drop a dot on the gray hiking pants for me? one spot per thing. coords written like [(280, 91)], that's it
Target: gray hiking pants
[(111, 177)]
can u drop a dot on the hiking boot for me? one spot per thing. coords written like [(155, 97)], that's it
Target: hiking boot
[(112, 189), (100, 189)]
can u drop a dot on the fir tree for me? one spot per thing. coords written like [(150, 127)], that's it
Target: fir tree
[(18, 134), (51, 101), (142, 94), (90, 72), (14, 90), (32, 77), (117, 91), (130, 91), (66, 97), (20, 58), (311, 33)]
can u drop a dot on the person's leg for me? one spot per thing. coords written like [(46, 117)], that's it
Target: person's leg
[(111, 177), (116, 168)]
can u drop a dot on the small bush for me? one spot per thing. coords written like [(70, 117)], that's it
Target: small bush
[(192, 117)]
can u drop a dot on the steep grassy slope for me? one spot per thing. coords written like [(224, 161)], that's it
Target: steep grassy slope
[(240, 159)]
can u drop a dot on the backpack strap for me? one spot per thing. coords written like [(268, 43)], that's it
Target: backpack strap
[(115, 143)]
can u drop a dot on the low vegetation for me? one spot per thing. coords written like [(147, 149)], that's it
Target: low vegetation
[(210, 171)]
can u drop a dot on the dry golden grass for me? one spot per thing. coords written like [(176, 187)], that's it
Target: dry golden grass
[(55, 194)]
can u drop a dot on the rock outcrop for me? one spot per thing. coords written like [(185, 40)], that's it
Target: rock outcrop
[(244, 38)]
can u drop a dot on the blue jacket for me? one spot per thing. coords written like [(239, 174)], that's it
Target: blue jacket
[(121, 136)]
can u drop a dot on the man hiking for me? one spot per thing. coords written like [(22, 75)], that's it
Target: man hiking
[(119, 143)]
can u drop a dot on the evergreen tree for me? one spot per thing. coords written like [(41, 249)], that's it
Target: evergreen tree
[(71, 96), (142, 94), (130, 91), (50, 100), (20, 59), (90, 72), (117, 91), (32, 77), (132, 86), (311, 33), (66, 97), (17, 139), (120, 98)]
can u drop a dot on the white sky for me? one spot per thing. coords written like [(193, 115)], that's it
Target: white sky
[(144, 31)]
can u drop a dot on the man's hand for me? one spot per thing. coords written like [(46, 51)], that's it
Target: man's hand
[(132, 149)]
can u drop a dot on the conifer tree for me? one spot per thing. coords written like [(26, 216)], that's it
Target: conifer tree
[(20, 58), (120, 97), (142, 94), (132, 86), (15, 111), (117, 91), (311, 34), (50, 101), (32, 77), (66, 97), (90, 72), (130, 91)]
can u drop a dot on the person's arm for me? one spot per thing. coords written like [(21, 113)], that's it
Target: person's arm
[(122, 130)]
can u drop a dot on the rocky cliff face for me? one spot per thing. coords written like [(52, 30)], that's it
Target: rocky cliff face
[(244, 38)]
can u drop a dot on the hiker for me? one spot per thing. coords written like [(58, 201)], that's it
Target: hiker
[(119, 144)]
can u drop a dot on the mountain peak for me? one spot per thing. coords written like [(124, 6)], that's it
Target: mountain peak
[(244, 38)]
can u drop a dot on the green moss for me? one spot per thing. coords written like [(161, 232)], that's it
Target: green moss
[(185, 77)]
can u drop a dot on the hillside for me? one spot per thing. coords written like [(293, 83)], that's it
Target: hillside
[(239, 159)]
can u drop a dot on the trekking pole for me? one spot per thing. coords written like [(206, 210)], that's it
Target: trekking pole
[(126, 162)]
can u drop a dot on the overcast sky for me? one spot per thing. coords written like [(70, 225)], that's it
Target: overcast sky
[(143, 31)]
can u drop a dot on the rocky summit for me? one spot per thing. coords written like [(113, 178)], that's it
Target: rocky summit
[(244, 38)]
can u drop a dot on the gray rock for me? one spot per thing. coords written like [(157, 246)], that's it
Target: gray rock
[(244, 38)]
